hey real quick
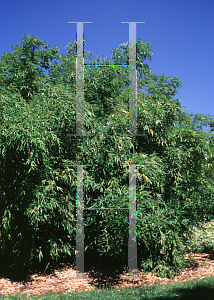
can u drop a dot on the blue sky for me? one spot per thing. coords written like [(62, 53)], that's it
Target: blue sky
[(181, 33)]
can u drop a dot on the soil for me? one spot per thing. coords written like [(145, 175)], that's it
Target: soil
[(59, 280)]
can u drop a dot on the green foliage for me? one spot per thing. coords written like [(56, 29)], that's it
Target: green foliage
[(24, 66), (37, 158), (202, 239)]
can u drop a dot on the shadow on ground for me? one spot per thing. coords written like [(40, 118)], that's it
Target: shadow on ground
[(196, 293), (106, 274)]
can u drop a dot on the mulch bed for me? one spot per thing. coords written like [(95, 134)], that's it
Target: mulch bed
[(202, 265)]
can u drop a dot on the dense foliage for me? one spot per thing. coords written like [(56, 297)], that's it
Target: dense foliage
[(38, 179)]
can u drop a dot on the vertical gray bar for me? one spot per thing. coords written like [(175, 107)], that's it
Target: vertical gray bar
[(79, 80), (80, 225), (132, 78), (132, 249)]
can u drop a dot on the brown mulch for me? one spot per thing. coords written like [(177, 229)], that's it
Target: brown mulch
[(202, 265)]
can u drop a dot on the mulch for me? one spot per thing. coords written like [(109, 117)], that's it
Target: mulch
[(201, 265)]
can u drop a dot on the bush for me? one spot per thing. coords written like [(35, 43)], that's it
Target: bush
[(37, 162), (202, 240)]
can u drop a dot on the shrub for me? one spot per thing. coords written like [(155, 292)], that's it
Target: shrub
[(37, 162)]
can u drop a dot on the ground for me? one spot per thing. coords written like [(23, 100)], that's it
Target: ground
[(58, 281)]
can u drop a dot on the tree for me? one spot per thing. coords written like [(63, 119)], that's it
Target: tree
[(38, 186), (25, 66)]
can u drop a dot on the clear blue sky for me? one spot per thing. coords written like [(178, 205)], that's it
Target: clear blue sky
[(181, 33)]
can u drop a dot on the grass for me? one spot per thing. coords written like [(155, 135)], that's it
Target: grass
[(196, 289)]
